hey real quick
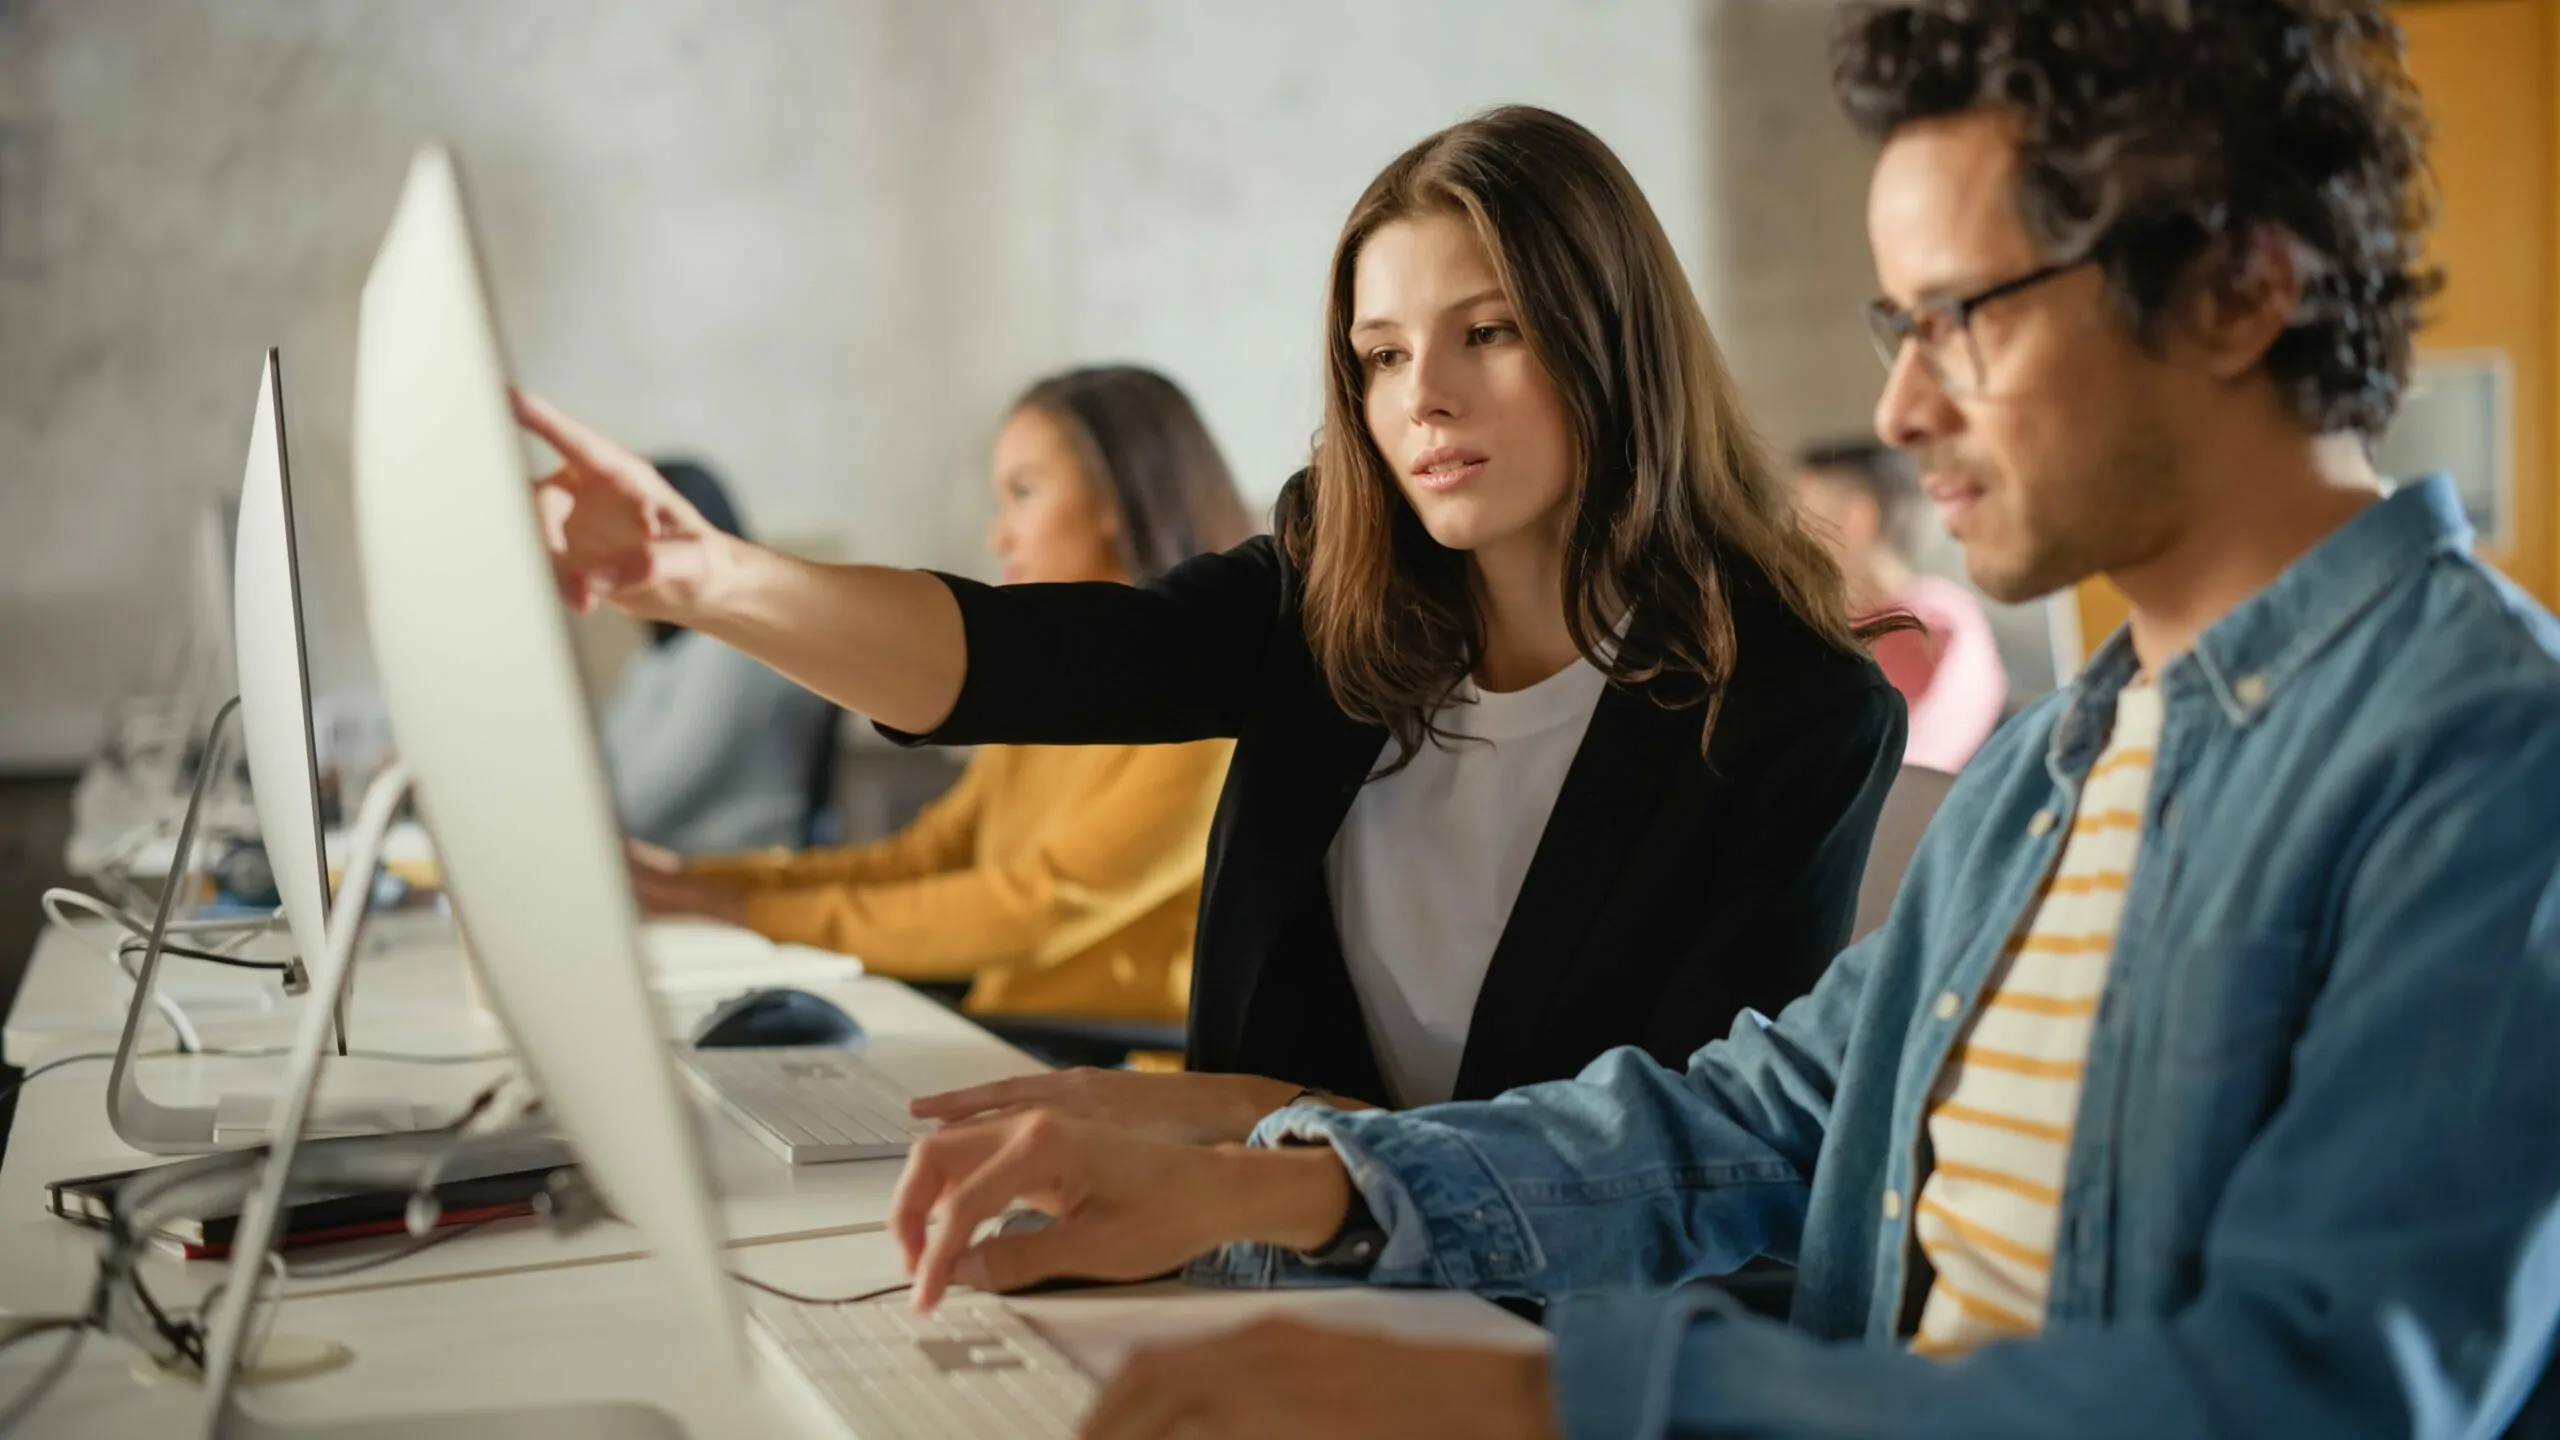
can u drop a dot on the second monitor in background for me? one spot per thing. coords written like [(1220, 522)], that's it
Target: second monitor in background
[(284, 773)]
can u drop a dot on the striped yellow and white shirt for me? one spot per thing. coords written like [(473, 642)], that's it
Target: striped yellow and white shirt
[(2000, 1115)]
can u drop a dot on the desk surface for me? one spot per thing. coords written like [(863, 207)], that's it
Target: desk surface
[(408, 995), (609, 1333), (514, 1315), (410, 992), (410, 1000)]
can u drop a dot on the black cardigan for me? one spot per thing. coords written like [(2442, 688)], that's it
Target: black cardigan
[(1668, 891)]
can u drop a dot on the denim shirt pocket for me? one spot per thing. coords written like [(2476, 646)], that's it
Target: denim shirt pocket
[(2233, 1011), (2235, 1002)]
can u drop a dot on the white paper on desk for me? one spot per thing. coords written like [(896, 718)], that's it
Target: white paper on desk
[(707, 955), (1098, 1329)]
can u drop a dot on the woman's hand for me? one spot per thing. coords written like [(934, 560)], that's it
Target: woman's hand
[(1281, 1378), (1128, 1206), (1186, 1109), (616, 530), (663, 888)]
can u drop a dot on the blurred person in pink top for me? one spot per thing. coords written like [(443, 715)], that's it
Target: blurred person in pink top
[(1861, 497)]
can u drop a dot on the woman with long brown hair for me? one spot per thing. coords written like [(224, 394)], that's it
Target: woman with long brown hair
[(1553, 732)]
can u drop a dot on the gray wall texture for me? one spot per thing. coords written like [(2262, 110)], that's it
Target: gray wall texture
[(818, 243)]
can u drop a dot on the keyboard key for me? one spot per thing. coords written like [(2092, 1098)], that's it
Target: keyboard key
[(972, 1368)]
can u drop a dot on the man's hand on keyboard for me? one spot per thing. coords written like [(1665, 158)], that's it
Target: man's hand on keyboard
[(1129, 1206)]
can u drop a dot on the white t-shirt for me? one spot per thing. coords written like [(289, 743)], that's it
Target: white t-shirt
[(1426, 865)]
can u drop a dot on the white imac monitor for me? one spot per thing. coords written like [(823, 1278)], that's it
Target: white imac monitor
[(275, 677), (472, 647), (284, 778)]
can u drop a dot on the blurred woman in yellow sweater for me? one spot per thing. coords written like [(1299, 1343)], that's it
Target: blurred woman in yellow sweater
[(1062, 879)]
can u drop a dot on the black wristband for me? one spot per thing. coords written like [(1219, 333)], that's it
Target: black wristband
[(1355, 1243)]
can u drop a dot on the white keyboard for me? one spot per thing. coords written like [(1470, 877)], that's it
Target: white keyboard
[(972, 1368), (808, 1105)]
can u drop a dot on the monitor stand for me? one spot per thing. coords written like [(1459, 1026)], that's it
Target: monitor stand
[(259, 1219), (149, 1126)]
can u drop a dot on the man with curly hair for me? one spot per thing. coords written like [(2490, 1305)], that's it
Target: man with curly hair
[(2212, 1025)]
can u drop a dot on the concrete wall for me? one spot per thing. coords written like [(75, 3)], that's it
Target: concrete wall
[(817, 242)]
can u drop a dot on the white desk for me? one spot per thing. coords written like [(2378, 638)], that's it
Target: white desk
[(609, 1333), (410, 999), (409, 992), (513, 1315)]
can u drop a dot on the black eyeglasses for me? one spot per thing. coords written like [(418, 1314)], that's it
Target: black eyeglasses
[(1943, 329)]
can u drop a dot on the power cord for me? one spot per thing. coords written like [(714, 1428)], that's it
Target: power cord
[(144, 1202), (285, 1274), (14, 1086), (883, 1293), (28, 1399), (131, 948), (265, 1052), (56, 899), (396, 1057), (241, 928), (417, 1246), (185, 1333)]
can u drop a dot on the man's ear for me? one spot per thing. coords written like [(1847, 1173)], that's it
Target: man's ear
[(2236, 300)]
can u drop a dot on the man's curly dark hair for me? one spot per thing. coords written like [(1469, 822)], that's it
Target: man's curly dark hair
[(2155, 133)]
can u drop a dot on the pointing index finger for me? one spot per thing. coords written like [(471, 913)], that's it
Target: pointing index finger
[(577, 444)]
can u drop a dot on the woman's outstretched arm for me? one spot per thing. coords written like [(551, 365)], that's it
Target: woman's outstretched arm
[(887, 643)]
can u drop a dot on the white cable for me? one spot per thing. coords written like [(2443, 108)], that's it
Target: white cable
[(127, 981), (397, 1057), (275, 1267), (237, 927), (60, 896), (513, 1101)]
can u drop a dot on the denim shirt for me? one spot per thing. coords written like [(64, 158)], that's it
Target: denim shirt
[(2520, 1375), (2323, 1082)]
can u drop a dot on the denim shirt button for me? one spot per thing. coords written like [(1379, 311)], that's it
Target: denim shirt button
[(2250, 690), (1478, 1216), (2040, 824), (1893, 1204), (1948, 1005)]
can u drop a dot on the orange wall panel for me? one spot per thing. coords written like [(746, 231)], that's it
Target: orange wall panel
[(2490, 71)]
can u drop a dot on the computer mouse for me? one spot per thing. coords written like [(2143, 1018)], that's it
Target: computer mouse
[(1024, 1221), (1027, 1221), (776, 1017)]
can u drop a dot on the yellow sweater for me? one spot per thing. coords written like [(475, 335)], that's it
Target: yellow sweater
[(1064, 879)]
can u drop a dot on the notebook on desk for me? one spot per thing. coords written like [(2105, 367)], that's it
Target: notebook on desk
[(496, 1186)]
